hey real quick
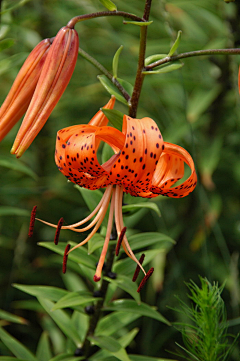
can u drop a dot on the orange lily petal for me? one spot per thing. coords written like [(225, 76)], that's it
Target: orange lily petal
[(55, 76), (21, 92), (170, 169)]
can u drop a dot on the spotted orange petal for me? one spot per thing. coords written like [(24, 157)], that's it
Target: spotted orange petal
[(170, 169)]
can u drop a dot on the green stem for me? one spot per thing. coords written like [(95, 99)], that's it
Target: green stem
[(86, 347), (105, 72), (123, 14), (168, 59), (140, 76)]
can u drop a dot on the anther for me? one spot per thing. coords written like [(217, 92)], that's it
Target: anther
[(111, 275), (90, 310), (65, 257), (32, 221), (120, 239), (57, 233), (137, 270), (144, 280)]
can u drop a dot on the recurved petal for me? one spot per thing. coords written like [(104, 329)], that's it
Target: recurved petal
[(170, 169), (137, 162), (55, 76), (21, 92)]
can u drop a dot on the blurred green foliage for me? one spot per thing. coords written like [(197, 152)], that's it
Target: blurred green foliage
[(196, 107)]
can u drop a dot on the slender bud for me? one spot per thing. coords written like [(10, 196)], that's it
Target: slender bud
[(55, 76), (21, 92)]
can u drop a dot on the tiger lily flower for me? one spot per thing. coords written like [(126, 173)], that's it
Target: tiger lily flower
[(38, 88), (142, 165), (21, 92)]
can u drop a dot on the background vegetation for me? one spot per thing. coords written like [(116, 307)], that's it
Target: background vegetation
[(196, 107)]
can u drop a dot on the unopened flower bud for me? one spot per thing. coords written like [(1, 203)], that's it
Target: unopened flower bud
[(21, 92), (55, 76)]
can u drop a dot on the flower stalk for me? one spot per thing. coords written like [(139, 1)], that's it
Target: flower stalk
[(84, 17)]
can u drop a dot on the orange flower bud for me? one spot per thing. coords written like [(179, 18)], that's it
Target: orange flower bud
[(21, 92), (55, 76)]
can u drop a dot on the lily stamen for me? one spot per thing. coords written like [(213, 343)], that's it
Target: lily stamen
[(32, 221), (57, 234), (97, 275), (65, 257), (144, 280), (120, 239), (137, 270)]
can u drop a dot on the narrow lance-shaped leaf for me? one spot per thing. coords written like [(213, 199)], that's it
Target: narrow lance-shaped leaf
[(115, 61), (152, 58), (111, 345), (176, 44), (115, 117), (16, 347), (165, 68), (138, 23), (109, 5)]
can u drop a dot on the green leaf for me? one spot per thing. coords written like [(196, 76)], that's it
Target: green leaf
[(109, 5), (127, 266), (115, 321), (111, 345), (67, 357), (115, 61), (13, 211), (115, 117), (43, 348), (17, 165), (63, 321), (132, 208), (10, 358), (107, 152), (95, 242), (145, 239), (143, 309), (16, 347), (200, 101), (12, 61), (51, 293), (126, 284), (165, 68), (75, 299), (12, 318), (108, 85), (6, 43), (80, 255), (138, 23), (151, 59), (10, 7), (148, 358), (91, 198), (176, 43), (124, 342)]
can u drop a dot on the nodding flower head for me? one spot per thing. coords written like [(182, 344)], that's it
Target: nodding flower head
[(38, 87), (142, 165)]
